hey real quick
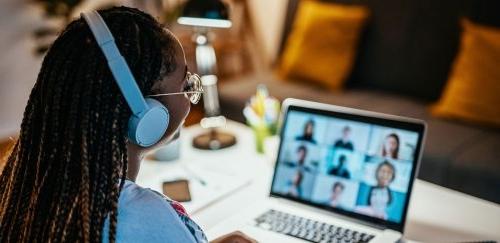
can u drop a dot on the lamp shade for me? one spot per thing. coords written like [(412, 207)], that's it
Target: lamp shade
[(205, 13)]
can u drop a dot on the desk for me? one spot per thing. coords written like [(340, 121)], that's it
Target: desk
[(435, 213)]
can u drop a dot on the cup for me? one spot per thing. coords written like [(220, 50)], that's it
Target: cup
[(169, 152)]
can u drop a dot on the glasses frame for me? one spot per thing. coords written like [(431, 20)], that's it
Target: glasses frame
[(188, 94)]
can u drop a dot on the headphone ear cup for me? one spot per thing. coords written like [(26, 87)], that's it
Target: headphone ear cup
[(148, 128)]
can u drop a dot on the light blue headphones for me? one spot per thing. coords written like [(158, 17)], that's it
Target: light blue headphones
[(150, 118)]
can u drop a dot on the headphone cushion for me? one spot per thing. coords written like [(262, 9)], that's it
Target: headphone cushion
[(148, 128)]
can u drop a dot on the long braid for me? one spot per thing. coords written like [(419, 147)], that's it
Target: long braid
[(51, 123), (64, 175), (17, 184), (69, 110), (97, 184)]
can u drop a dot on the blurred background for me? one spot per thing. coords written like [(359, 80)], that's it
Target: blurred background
[(29, 27), (433, 60)]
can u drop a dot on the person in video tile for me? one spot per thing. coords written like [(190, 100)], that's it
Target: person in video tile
[(301, 160), (337, 191), (308, 134), (380, 196), (390, 147), (341, 169), (345, 141), (295, 188)]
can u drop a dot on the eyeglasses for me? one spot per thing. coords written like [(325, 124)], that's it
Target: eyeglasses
[(192, 89)]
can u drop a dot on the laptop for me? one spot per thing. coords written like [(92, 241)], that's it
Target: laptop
[(341, 175)]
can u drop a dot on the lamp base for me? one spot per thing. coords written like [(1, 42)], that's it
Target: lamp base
[(214, 140)]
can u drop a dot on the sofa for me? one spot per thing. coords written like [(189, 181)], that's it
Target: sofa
[(403, 61)]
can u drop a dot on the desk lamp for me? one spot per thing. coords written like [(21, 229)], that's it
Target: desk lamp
[(204, 15)]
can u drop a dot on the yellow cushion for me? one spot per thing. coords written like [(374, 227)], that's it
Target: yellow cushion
[(472, 92), (321, 47)]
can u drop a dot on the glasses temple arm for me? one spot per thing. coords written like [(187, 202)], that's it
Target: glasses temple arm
[(177, 93)]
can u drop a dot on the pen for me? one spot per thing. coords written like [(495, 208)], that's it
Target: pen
[(195, 176)]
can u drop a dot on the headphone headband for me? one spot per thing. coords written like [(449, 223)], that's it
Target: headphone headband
[(117, 64), (150, 117)]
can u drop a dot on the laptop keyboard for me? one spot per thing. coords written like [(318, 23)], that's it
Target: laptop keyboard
[(307, 229)]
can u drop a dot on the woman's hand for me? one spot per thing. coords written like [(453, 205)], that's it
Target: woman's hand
[(234, 237)]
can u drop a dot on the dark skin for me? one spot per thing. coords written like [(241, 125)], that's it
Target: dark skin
[(178, 107)]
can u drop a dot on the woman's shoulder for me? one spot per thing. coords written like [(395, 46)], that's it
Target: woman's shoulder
[(133, 195), (146, 215)]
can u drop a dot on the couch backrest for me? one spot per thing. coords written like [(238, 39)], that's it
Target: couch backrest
[(408, 45)]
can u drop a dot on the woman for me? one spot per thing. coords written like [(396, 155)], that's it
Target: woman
[(71, 174), (308, 133), (337, 191), (390, 147), (380, 196), (295, 185)]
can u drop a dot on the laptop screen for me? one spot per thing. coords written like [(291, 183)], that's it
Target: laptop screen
[(355, 165)]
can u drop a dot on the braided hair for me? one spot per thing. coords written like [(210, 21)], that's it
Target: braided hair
[(65, 173)]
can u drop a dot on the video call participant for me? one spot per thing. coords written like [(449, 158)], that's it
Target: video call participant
[(390, 147), (341, 169), (295, 185), (380, 196), (70, 176), (337, 191), (345, 141), (300, 163), (308, 132)]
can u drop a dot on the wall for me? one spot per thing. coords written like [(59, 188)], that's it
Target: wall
[(18, 65), (268, 18)]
